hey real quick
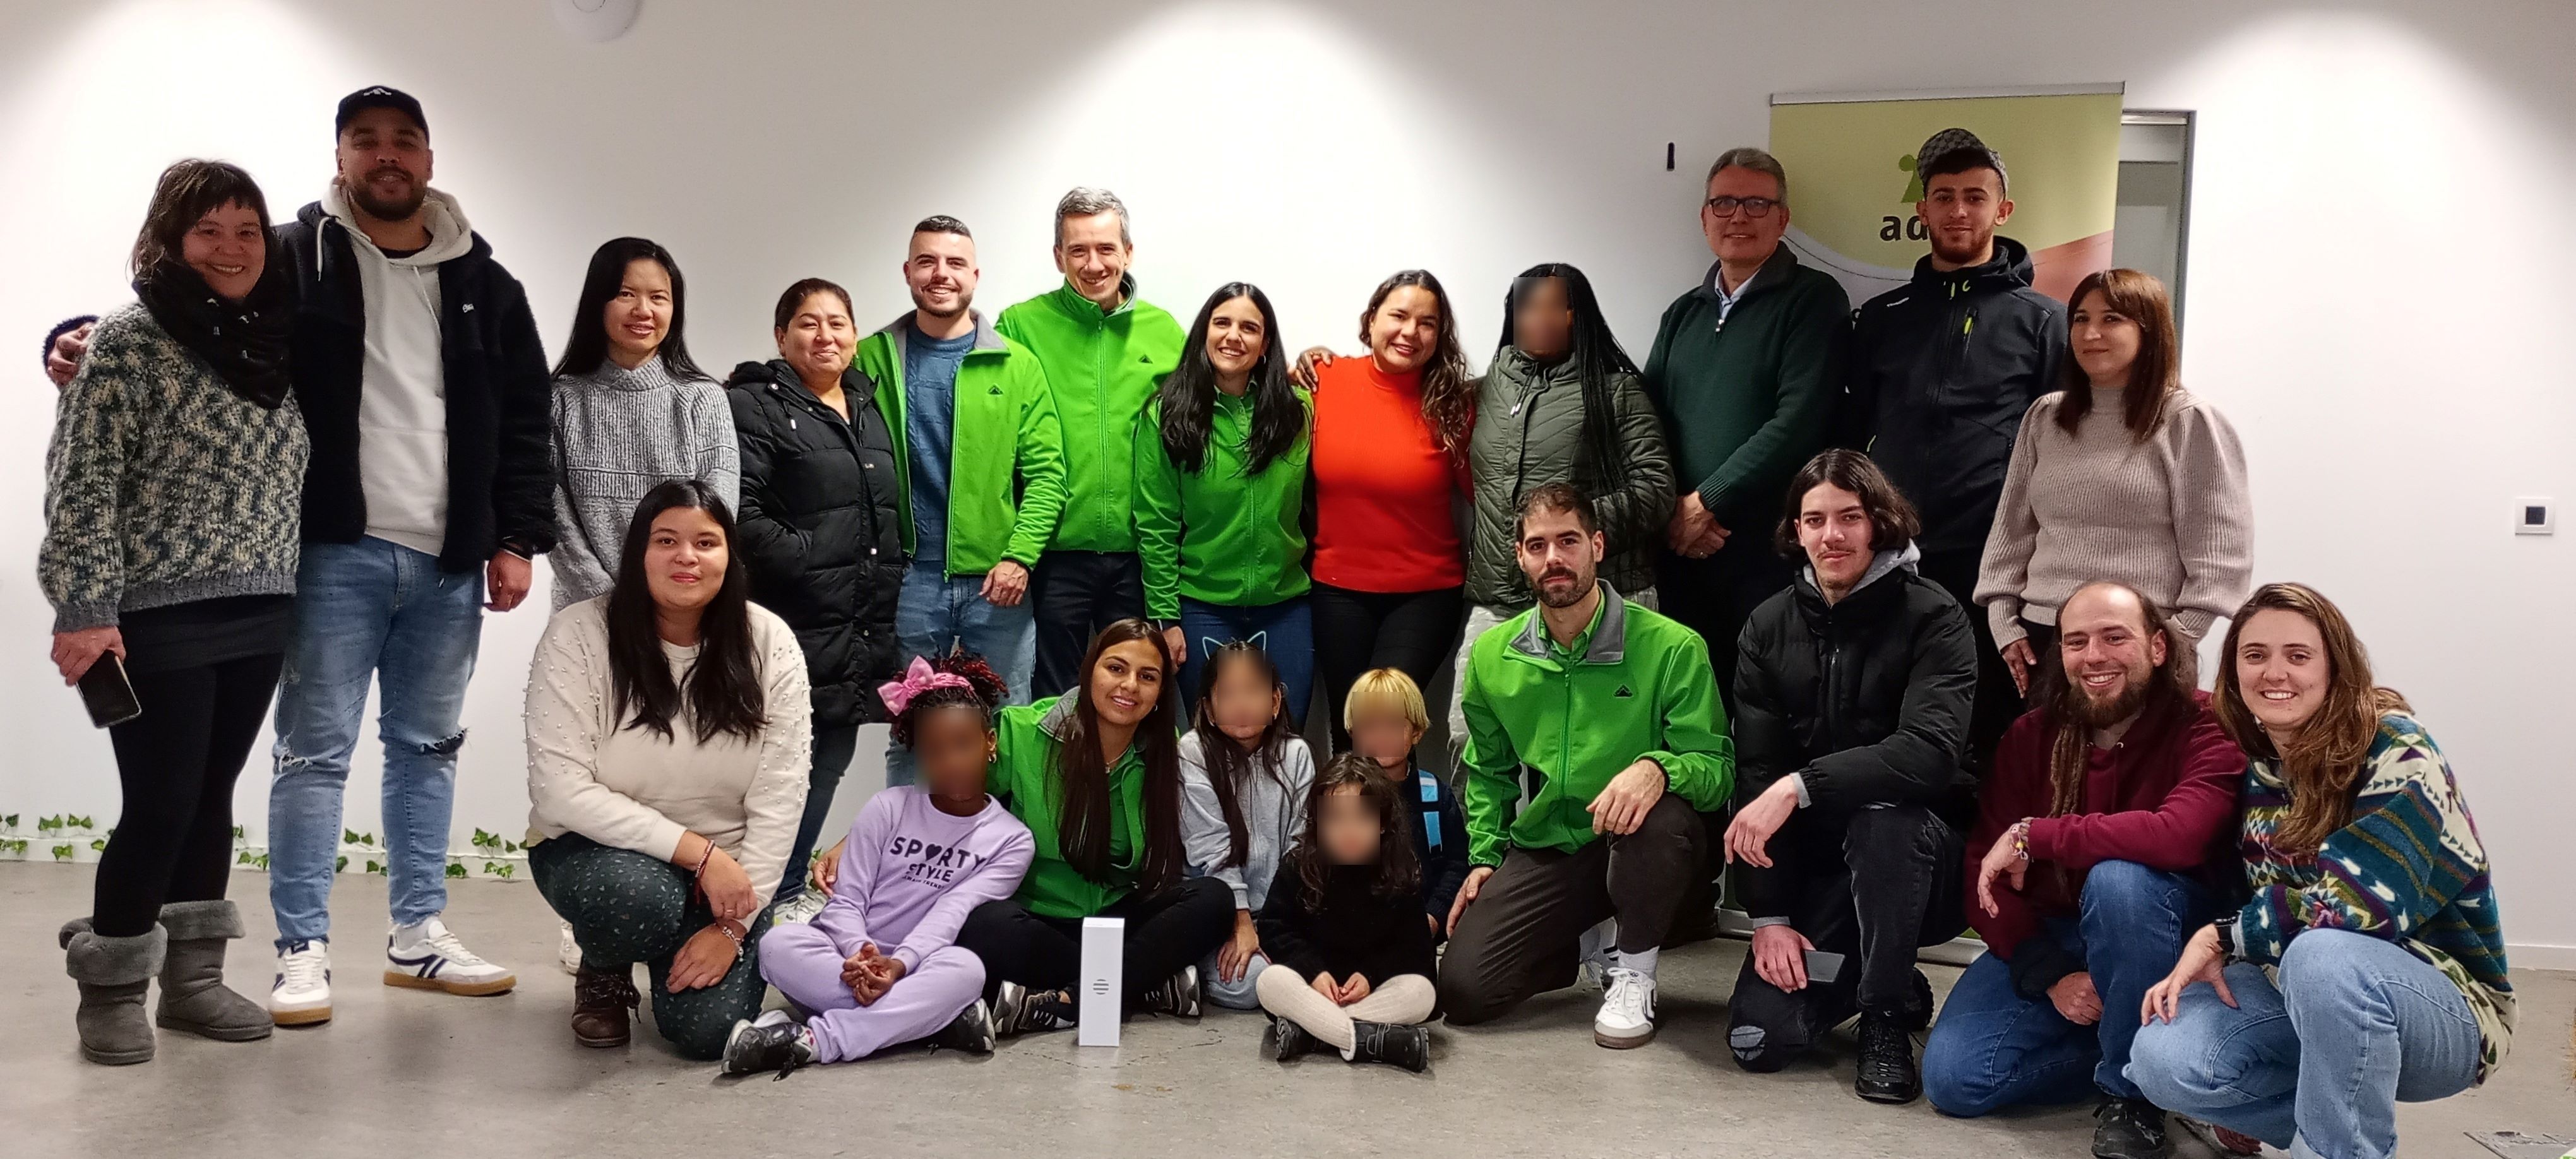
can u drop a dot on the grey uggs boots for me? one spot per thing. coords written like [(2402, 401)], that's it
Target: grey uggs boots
[(186, 949), (194, 998), (112, 973)]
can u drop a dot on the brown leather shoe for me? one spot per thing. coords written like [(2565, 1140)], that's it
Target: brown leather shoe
[(601, 1004)]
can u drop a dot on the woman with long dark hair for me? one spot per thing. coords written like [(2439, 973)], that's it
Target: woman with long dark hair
[(1221, 492), (1391, 435), (631, 410), (172, 514), (2368, 967), (668, 739), (1560, 404), (1095, 774), (2120, 474)]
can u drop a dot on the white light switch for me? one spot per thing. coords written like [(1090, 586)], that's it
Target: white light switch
[(2535, 516)]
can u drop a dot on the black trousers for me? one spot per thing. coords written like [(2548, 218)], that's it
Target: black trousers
[(1998, 702), (1073, 595), (1414, 632), (1518, 938), (177, 763), (1165, 931), (1714, 597), (1875, 885)]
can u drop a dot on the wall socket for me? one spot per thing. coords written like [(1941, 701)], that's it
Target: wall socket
[(2535, 516)]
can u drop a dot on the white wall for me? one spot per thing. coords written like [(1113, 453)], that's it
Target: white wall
[(2381, 204)]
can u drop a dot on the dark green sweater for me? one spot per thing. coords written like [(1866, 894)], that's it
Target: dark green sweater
[(1747, 403)]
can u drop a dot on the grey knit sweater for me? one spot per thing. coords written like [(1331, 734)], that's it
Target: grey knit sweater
[(2169, 516), (161, 486), (618, 434)]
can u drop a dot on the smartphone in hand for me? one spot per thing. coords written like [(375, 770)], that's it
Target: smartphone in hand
[(107, 693)]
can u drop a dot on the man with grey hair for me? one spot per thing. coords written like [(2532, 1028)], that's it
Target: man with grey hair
[(1744, 371), (1103, 351)]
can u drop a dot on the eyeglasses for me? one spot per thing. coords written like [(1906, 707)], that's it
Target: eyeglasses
[(1752, 206)]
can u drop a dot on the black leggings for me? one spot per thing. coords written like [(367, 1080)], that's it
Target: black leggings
[(1165, 931), (177, 763), (1414, 632)]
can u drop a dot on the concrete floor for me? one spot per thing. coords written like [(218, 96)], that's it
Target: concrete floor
[(402, 1072)]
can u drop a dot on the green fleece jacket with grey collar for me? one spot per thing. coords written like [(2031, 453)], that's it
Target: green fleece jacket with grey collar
[(1005, 461), (1102, 367), (1632, 686)]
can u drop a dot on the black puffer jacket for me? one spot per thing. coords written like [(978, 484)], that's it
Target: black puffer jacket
[(1868, 698), (1941, 370), (818, 528)]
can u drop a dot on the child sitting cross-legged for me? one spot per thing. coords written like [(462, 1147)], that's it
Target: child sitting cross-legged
[(878, 967), (1351, 958)]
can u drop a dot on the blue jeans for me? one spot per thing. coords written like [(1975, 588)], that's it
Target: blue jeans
[(1994, 1048), (934, 614), (1285, 630), (369, 612), (2319, 1063)]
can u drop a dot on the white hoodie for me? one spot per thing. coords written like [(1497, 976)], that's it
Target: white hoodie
[(402, 393)]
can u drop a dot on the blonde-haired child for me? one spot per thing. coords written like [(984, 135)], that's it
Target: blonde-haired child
[(1386, 718)]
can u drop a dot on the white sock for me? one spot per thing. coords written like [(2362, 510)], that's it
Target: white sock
[(1641, 961)]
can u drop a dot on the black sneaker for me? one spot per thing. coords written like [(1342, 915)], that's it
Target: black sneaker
[(1405, 1046), (775, 1042), (1292, 1040), (1888, 1072), (1017, 1011), (971, 1031), (1177, 995), (2128, 1129), (1918, 1009)]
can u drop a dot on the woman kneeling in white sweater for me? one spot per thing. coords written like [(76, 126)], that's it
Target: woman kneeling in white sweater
[(668, 738)]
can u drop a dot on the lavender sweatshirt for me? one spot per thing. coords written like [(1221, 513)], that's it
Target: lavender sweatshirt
[(911, 873)]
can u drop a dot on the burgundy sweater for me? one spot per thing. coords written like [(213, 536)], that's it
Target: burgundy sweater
[(2164, 797)]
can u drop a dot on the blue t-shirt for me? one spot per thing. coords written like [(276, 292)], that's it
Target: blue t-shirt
[(930, 426)]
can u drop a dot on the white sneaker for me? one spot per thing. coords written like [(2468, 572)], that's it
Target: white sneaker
[(1592, 953), (301, 995), (427, 957), (568, 952), (1627, 1018), (800, 908)]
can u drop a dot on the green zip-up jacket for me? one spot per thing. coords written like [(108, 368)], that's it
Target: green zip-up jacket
[(1219, 535), (1747, 401), (1102, 369), (1005, 461), (1633, 686), (1028, 742)]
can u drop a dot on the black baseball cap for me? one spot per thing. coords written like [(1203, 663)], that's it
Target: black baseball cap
[(379, 97)]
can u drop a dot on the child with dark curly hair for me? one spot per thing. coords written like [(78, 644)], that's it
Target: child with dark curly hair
[(879, 966)]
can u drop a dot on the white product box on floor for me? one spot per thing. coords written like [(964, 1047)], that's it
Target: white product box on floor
[(1104, 949)]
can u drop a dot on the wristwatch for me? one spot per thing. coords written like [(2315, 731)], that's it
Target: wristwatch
[(2226, 927)]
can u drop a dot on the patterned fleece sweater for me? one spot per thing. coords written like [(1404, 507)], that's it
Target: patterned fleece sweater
[(2408, 867), (162, 486)]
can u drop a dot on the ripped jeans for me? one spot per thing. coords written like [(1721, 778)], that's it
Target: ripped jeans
[(369, 613)]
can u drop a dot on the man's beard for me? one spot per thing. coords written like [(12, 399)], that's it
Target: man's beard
[(363, 196), (964, 301), (1573, 593), (2085, 710), (1963, 256)]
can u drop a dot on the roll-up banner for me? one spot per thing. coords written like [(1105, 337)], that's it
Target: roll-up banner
[(1853, 187)]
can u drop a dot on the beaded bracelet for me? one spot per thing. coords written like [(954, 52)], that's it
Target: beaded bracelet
[(2021, 838), (725, 926)]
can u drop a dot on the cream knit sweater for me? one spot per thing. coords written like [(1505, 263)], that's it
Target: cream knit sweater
[(2169, 516), (630, 789)]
